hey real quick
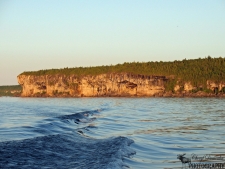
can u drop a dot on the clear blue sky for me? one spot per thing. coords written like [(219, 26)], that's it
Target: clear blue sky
[(45, 34)]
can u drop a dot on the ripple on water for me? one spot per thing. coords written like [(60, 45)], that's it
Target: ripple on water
[(99, 132)]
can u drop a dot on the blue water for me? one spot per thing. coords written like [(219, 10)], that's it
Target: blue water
[(100, 133)]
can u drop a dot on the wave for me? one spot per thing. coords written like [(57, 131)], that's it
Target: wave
[(65, 145)]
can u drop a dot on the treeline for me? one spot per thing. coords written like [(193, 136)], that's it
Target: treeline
[(13, 90), (197, 71)]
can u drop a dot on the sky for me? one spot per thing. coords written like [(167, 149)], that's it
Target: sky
[(42, 34)]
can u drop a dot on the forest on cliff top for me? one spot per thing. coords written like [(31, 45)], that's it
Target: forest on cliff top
[(197, 71)]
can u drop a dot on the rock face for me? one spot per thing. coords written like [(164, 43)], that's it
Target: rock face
[(215, 86), (122, 84)]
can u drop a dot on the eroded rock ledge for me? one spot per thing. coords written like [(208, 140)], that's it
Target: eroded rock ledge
[(120, 84)]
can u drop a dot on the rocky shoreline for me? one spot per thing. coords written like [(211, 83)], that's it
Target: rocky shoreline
[(112, 85), (165, 95)]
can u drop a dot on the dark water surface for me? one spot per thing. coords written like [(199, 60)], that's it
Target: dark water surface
[(98, 133)]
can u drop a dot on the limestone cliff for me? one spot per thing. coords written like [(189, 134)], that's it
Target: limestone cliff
[(122, 84), (114, 84)]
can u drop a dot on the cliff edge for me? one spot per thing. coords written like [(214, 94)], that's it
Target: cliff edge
[(195, 77), (122, 84), (113, 84)]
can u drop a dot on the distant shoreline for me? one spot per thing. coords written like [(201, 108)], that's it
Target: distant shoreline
[(10, 90)]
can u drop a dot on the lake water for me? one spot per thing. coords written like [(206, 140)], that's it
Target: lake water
[(100, 133)]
